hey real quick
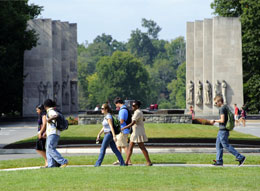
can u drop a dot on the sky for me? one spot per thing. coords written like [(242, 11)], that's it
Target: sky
[(119, 18)]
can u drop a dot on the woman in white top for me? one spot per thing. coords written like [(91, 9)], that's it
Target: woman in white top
[(138, 136), (109, 138)]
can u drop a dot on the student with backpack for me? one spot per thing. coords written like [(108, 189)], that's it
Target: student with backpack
[(138, 136), (223, 133), (109, 138), (125, 117), (54, 158)]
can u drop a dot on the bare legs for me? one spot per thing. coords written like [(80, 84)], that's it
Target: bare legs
[(126, 150), (43, 154), (143, 149)]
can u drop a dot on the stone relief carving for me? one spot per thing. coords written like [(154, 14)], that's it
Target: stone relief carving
[(44, 91), (190, 92), (199, 98), (73, 93), (56, 89), (224, 91), (217, 88), (208, 93), (65, 93)]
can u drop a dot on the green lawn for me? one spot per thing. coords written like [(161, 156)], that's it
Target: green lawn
[(133, 178), (89, 132), (188, 158)]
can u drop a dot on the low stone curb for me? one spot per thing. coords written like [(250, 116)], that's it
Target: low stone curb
[(136, 150)]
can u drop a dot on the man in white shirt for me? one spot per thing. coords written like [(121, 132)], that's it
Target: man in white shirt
[(54, 158)]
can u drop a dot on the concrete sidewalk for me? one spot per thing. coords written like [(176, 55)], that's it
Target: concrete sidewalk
[(140, 165), (161, 150)]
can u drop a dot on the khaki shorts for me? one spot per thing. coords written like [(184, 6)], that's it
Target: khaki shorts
[(122, 140), (236, 117)]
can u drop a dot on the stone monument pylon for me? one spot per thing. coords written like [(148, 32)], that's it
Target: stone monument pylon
[(214, 63), (50, 68)]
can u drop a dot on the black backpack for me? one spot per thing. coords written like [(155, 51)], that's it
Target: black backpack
[(129, 119), (61, 122)]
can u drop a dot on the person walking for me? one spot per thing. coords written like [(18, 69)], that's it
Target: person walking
[(109, 138), (41, 141), (54, 158), (123, 116), (243, 117), (138, 136), (236, 114), (192, 113), (223, 134)]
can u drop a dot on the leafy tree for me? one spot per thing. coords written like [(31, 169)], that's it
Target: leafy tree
[(176, 51), (178, 89), (249, 13), (88, 57), (152, 28), (15, 38), (119, 75), (141, 46)]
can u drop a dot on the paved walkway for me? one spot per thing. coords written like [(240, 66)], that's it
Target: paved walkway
[(154, 165)]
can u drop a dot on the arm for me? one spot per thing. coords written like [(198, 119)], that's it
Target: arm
[(52, 118), (129, 125), (111, 128), (43, 128), (221, 120), (100, 132)]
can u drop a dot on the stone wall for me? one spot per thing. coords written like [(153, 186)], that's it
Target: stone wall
[(50, 68), (213, 64), (149, 118)]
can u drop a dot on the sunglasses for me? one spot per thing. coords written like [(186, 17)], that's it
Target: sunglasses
[(102, 108)]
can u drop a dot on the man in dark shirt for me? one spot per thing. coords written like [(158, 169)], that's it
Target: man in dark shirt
[(222, 138)]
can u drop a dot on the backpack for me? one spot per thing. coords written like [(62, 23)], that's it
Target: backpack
[(129, 120), (61, 122), (116, 125), (231, 120)]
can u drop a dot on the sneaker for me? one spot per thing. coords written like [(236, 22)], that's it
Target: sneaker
[(242, 161), (216, 164), (116, 163), (64, 165)]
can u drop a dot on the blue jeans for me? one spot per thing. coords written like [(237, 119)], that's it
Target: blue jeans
[(108, 140), (54, 158), (222, 142)]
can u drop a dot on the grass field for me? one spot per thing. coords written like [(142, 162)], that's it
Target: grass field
[(133, 178), (89, 132), (190, 158)]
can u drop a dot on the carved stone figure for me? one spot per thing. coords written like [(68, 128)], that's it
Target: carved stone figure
[(41, 92), (217, 88), (199, 93), (190, 93), (65, 93), (56, 89), (224, 91), (47, 90), (208, 93), (73, 92)]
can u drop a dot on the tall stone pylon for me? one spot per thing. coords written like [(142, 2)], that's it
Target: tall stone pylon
[(50, 68), (214, 63)]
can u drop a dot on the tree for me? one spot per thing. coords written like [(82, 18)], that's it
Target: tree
[(15, 38), (88, 57), (141, 46), (176, 51), (152, 28), (249, 13), (177, 88), (119, 75)]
